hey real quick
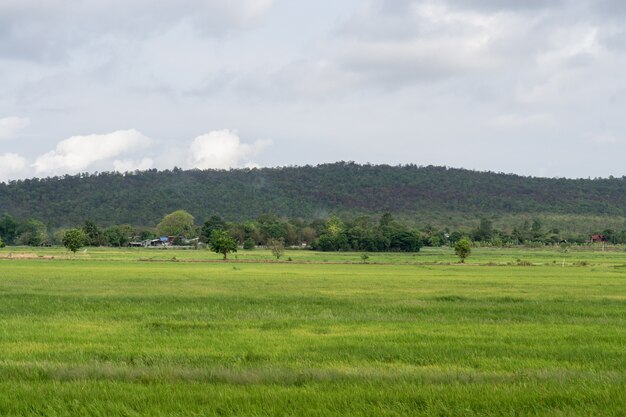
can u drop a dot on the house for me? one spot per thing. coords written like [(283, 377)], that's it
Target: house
[(156, 242), (167, 241), (598, 238)]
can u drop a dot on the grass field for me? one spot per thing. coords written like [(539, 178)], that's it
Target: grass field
[(149, 333)]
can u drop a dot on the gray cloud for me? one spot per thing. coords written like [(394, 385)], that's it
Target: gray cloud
[(502, 85), (32, 29), (506, 5)]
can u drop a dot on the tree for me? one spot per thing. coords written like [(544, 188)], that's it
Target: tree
[(406, 241), (8, 228), (334, 237), (214, 223), (308, 235), (222, 242), (2, 244), (74, 239), (277, 246), (463, 249), (484, 231), (178, 223), (32, 233), (94, 235), (119, 235), (249, 244)]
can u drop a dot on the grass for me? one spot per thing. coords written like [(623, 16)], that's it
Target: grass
[(107, 334)]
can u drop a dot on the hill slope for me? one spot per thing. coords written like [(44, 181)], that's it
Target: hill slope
[(307, 192)]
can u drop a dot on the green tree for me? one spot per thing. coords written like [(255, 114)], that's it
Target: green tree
[(222, 242), (308, 235), (406, 241), (94, 235), (74, 239), (214, 223), (178, 223), (463, 249), (484, 231), (32, 233), (249, 244), (2, 244), (8, 228), (277, 246), (119, 235), (334, 236)]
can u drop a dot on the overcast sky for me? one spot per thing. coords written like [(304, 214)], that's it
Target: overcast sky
[(535, 87)]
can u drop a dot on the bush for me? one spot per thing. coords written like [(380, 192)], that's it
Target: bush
[(463, 249), (249, 244), (74, 239), (277, 247)]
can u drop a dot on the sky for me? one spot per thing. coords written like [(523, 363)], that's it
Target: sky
[(534, 87)]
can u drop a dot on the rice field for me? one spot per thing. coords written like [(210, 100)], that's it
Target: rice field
[(514, 332)]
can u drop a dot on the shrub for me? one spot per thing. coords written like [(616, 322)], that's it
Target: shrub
[(463, 249), (74, 239)]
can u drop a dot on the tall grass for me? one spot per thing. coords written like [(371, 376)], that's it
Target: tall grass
[(109, 335)]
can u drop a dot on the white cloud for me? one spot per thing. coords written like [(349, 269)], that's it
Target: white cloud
[(223, 149), (11, 166), (77, 153), (10, 126), (130, 165), (421, 41)]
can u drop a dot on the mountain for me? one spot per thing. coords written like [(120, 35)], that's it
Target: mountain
[(438, 194)]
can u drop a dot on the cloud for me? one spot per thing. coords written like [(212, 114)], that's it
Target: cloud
[(77, 153), (10, 126), (605, 139), (36, 30), (223, 149), (130, 165), (517, 121), (392, 44), (506, 5), (11, 166)]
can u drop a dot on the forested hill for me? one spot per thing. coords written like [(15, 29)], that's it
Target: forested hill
[(303, 192)]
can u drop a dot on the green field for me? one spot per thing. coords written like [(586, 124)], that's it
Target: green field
[(149, 333)]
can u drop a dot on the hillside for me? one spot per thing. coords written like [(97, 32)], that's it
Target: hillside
[(307, 192)]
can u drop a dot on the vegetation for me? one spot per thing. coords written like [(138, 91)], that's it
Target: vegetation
[(277, 246), (463, 249), (249, 244), (362, 233), (440, 196), (222, 242), (105, 334), (74, 239), (178, 224)]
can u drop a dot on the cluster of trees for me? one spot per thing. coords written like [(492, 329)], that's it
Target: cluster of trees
[(33, 232), (534, 233), (361, 233)]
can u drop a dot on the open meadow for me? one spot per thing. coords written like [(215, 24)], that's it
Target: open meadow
[(514, 332)]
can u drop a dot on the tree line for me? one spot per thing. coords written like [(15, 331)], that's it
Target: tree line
[(383, 233)]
